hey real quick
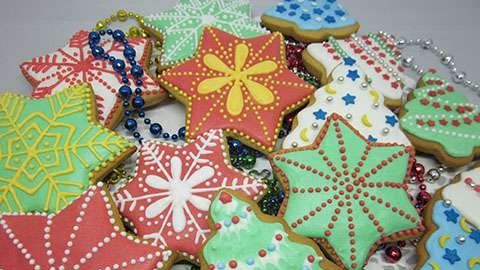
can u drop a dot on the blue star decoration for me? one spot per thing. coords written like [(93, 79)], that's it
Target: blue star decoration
[(451, 255), (391, 120), (475, 235), (451, 215), (349, 99), (353, 74), (349, 61), (372, 139), (330, 19), (320, 114)]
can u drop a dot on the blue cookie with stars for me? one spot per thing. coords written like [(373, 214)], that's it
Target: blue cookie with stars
[(310, 20)]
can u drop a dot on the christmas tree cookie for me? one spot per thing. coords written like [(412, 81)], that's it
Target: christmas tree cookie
[(441, 121), (87, 234), (51, 149), (244, 238), (375, 54), (347, 193), (75, 64), (453, 222), (168, 198), (310, 21), (180, 28), (350, 95), (240, 85)]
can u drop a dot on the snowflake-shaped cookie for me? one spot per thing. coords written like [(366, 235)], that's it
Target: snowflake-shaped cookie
[(168, 199)]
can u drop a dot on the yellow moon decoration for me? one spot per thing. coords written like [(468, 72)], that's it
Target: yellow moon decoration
[(330, 90), (366, 121), (374, 94), (464, 226), (473, 261), (434, 266), (443, 239), (303, 135)]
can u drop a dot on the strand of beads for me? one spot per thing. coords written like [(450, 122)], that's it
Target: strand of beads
[(418, 175), (130, 97)]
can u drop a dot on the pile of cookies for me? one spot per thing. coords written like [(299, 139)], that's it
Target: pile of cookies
[(343, 155)]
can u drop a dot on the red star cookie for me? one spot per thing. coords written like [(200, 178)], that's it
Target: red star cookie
[(74, 64), (240, 85), (86, 235), (169, 197)]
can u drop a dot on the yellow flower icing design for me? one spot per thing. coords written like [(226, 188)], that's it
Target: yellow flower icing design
[(238, 76)]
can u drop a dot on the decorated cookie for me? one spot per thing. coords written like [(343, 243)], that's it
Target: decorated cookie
[(75, 64), (244, 238), (349, 95), (180, 28), (168, 199), (310, 21), (347, 193), (441, 121), (453, 222), (240, 85), (375, 54), (87, 234), (51, 149)]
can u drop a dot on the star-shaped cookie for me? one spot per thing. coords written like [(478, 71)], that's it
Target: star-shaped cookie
[(51, 149), (180, 28), (168, 199), (347, 193), (355, 100), (86, 235), (240, 85), (75, 64)]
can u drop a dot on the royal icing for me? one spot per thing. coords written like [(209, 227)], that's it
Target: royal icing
[(455, 244), (169, 197), (465, 198), (354, 99), (252, 242), (312, 15), (85, 235), (240, 85), (182, 26), (439, 114), (348, 193), (51, 149), (375, 54), (75, 64)]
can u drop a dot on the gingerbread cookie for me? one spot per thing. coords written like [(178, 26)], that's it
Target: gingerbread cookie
[(453, 222), (51, 149), (240, 85), (310, 21), (87, 234), (349, 95), (348, 193), (441, 121), (375, 54), (180, 28), (168, 199), (75, 64), (254, 240)]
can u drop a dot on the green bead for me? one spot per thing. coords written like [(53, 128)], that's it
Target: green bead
[(249, 161)]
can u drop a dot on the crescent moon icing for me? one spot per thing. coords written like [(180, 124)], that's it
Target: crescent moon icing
[(366, 121), (374, 94), (434, 266), (464, 226), (443, 239), (303, 135), (330, 90), (473, 261)]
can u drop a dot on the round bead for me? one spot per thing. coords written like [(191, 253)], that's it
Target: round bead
[(174, 137), (156, 129), (118, 35), (427, 44), (94, 37), (97, 51), (138, 102), (118, 65), (181, 133), (407, 62), (137, 71), (166, 135), (447, 59), (459, 77), (129, 53), (393, 254), (131, 124), (434, 174)]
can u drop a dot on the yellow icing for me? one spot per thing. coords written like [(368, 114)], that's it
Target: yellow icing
[(329, 89), (443, 240), (303, 135), (366, 121)]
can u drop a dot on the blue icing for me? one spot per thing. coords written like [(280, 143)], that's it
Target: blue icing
[(454, 255), (312, 14)]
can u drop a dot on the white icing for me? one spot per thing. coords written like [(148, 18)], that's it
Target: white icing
[(367, 109), (464, 198)]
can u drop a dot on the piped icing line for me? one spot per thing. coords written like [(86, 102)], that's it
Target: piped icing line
[(75, 64), (261, 241), (437, 113), (356, 101), (52, 148), (338, 182), (65, 240), (181, 27), (168, 198)]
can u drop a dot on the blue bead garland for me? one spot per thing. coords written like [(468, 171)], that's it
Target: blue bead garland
[(125, 91)]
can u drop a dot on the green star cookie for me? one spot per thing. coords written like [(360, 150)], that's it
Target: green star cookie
[(347, 193), (51, 149), (181, 27)]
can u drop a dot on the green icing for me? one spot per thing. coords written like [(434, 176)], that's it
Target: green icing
[(242, 241), (337, 210), (182, 26), (48, 148), (457, 141)]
